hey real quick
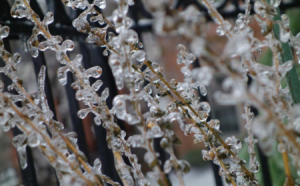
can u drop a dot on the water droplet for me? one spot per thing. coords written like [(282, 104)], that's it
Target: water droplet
[(105, 52)]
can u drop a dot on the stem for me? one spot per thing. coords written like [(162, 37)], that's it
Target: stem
[(149, 144), (46, 138), (77, 74), (289, 179), (120, 162), (148, 141), (205, 136), (213, 12), (182, 100), (66, 140)]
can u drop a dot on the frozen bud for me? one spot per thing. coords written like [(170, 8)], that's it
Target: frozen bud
[(62, 74), (97, 85), (282, 147), (156, 67), (17, 58), (259, 7), (204, 106), (198, 46), (67, 45), (94, 72), (4, 31), (285, 20), (72, 136), (143, 182), (149, 158), (164, 143), (214, 123), (223, 29), (222, 153), (20, 144), (275, 3), (155, 132), (198, 138), (255, 167), (97, 120), (105, 93), (97, 166), (181, 47), (130, 36), (184, 166), (49, 18), (233, 142), (203, 111), (190, 58), (136, 141), (33, 139), (208, 155), (195, 130), (81, 24), (239, 44), (171, 106), (168, 166), (174, 83), (100, 3), (138, 56), (83, 113), (203, 74)]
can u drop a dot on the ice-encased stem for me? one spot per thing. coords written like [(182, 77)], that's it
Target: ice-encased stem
[(206, 125), (46, 138)]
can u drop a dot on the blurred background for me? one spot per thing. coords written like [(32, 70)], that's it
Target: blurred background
[(159, 49)]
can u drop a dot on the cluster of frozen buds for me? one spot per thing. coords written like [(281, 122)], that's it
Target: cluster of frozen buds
[(35, 120), (278, 119), (130, 67), (84, 91), (126, 62)]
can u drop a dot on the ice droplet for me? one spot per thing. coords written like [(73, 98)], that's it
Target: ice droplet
[(19, 142), (97, 85), (97, 120), (168, 166), (83, 113), (62, 74)]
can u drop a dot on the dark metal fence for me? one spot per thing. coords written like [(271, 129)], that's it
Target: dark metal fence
[(91, 57)]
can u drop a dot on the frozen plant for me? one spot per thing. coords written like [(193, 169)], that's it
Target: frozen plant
[(277, 122)]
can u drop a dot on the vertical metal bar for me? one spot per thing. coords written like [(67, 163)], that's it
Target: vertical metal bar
[(61, 17), (76, 122), (91, 58), (264, 163), (263, 159), (28, 174), (5, 11)]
